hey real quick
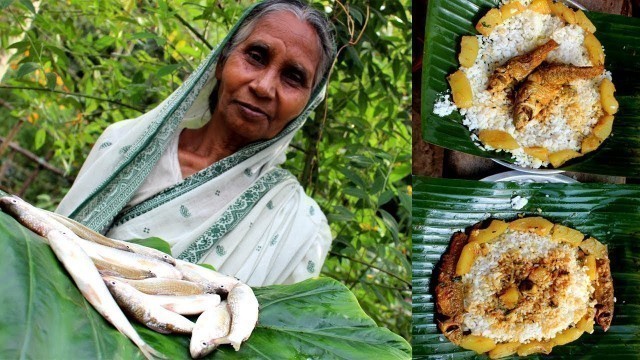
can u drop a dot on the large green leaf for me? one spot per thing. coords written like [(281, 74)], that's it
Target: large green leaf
[(610, 213), (45, 317), (448, 20)]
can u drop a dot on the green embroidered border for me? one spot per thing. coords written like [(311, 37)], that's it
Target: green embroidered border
[(215, 170), (112, 195), (233, 215)]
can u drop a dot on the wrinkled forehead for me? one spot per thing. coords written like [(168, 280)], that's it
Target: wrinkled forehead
[(295, 39)]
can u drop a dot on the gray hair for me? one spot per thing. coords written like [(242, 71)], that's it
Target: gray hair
[(305, 13)]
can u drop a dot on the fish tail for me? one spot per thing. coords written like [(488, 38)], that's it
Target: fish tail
[(151, 353)]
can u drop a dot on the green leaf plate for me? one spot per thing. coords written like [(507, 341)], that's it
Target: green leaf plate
[(610, 213), (45, 317), (448, 20)]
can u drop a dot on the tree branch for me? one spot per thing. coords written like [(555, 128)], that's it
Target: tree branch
[(33, 157), (193, 30), (371, 266), (72, 94), (312, 153), (387, 286)]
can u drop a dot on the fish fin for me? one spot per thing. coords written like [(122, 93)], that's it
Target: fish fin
[(226, 340), (221, 341)]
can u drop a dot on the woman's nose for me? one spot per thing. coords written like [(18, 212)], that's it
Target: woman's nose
[(264, 84)]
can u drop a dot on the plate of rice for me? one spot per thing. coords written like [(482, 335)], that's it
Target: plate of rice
[(522, 287), (569, 125), (524, 234), (533, 83)]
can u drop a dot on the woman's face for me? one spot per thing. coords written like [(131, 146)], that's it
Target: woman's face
[(267, 79)]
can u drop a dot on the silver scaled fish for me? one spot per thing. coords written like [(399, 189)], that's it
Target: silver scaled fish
[(92, 287), (211, 325), (163, 286), (243, 306), (130, 260), (88, 234), (151, 315)]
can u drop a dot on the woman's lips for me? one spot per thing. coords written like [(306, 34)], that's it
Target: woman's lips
[(252, 112)]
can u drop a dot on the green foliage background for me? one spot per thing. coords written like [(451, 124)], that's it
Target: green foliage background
[(77, 66)]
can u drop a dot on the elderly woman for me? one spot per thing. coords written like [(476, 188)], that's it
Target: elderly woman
[(201, 170)]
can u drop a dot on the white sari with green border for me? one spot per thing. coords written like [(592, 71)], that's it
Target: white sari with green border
[(243, 214)]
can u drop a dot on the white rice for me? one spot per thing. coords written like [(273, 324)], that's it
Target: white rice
[(515, 36), (444, 106), (518, 202), (483, 283)]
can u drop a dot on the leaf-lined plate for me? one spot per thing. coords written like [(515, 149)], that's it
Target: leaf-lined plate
[(44, 316), (448, 20), (610, 213)]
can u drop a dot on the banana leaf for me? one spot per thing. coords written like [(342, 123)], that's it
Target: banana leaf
[(610, 213), (448, 20), (45, 317)]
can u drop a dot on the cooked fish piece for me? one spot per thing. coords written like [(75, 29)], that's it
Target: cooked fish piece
[(566, 98), (519, 67), (243, 306), (604, 294), (151, 315), (211, 325), (543, 85), (450, 292)]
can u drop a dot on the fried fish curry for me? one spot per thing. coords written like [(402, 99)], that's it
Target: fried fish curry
[(533, 84), (522, 287)]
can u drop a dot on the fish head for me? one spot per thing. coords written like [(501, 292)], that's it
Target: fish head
[(497, 82), (110, 281), (168, 259), (9, 204), (220, 289), (201, 347)]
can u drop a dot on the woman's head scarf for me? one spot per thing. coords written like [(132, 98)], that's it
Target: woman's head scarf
[(96, 205)]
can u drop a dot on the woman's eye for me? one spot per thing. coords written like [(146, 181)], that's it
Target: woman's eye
[(294, 77), (256, 56)]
